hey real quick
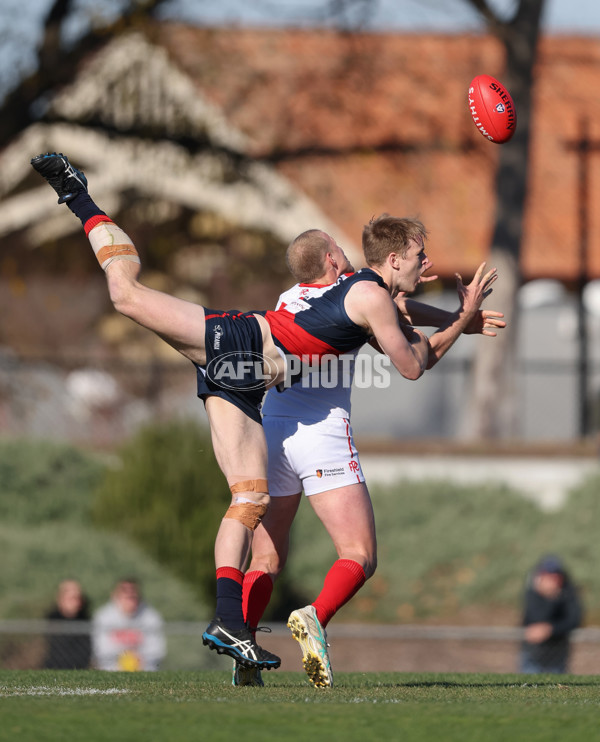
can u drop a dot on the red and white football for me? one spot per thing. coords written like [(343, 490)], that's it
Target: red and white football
[(492, 109)]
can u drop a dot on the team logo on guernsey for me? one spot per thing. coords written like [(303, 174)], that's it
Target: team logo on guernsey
[(241, 370)]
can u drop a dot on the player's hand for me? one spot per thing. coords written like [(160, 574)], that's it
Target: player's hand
[(474, 293), (485, 322)]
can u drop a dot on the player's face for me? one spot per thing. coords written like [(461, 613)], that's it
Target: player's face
[(412, 266)]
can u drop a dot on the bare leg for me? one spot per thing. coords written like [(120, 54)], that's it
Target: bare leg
[(239, 442), (241, 452), (179, 323), (271, 541), (347, 514)]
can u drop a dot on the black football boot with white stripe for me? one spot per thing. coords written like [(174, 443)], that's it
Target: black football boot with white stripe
[(66, 180), (240, 645)]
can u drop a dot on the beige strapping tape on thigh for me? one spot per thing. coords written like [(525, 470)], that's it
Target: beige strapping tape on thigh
[(245, 511)]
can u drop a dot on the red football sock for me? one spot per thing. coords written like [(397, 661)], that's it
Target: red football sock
[(256, 593), (342, 581)]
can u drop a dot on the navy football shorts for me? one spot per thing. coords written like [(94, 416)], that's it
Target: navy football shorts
[(234, 361)]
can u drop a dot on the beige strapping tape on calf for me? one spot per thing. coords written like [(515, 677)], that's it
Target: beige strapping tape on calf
[(110, 243), (245, 511)]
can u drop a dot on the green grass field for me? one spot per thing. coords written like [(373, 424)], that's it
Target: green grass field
[(93, 706)]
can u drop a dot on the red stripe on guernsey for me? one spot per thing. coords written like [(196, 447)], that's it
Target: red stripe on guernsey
[(223, 314), (93, 221), (319, 285), (295, 339)]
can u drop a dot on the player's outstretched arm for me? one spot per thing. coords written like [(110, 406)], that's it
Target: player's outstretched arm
[(471, 296), (419, 314), (371, 307)]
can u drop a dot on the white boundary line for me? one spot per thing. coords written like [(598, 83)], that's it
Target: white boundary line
[(47, 690)]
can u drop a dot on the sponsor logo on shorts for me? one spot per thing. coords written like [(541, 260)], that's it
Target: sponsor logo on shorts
[(338, 471), (241, 370)]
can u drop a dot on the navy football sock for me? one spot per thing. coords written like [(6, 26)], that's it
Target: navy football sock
[(84, 208), (229, 598)]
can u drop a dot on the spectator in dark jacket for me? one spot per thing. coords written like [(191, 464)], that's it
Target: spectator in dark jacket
[(69, 650), (552, 610)]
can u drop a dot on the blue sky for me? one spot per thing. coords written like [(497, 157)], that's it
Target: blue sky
[(19, 32), (581, 16)]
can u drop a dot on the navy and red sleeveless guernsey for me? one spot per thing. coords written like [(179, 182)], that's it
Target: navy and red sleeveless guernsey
[(326, 328)]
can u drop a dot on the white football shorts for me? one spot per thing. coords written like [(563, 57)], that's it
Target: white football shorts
[(314, 457)]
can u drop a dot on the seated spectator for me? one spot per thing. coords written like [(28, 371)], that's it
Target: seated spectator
[(127, 633), (552, 610), (69, 650)]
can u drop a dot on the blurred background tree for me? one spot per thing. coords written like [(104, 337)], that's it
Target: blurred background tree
[(68, 32), (72, 29), (493, 401)]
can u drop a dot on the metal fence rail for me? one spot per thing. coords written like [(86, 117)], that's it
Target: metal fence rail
[(354, 647)]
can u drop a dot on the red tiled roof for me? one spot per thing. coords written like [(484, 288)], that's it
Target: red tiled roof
[(379, 122)]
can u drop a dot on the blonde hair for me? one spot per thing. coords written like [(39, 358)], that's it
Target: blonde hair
[(386, 234), (305, 256)]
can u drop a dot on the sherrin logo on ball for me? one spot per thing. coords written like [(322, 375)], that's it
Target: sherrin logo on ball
[(492, 109)]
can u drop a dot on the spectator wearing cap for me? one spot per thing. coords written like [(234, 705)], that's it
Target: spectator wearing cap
[(552, 611)]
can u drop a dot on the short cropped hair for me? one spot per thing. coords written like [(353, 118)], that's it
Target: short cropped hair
[(305, 255), (386, 234)]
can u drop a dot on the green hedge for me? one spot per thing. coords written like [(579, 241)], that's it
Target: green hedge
[(444, 549), (46, 534), (168, 495)]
